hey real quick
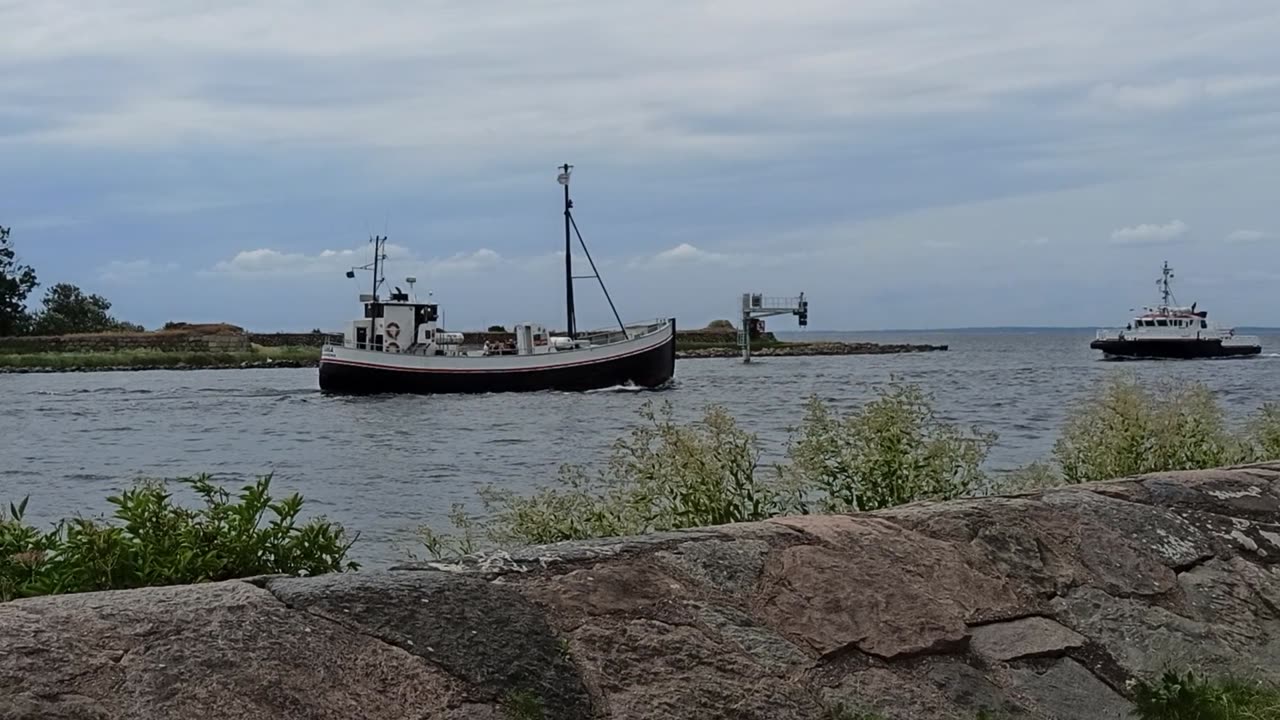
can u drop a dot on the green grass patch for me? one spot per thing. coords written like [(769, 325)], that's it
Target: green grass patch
[(1187, 696), (148, 358)]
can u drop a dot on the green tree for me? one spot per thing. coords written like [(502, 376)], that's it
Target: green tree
[(68, 310), (16, 283)]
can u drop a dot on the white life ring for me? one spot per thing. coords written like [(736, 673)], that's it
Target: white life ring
[(393, 330), (391, 346)]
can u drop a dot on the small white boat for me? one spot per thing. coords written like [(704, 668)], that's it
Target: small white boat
[(1173, 332)]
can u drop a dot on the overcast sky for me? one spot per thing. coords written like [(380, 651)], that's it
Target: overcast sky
[(907, 163)]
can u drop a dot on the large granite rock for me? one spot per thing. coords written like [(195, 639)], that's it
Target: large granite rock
[(1041, 605)]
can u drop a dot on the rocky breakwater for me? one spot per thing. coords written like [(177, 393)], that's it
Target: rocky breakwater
[(807, 349), (1042, 605)]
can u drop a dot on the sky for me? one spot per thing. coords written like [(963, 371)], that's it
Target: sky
[(905, 163)]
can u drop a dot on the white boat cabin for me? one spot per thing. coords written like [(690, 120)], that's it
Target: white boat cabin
[(398, 325), (1173, 323), (1177, 321)]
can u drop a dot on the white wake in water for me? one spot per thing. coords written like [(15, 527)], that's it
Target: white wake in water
[(633, 388)]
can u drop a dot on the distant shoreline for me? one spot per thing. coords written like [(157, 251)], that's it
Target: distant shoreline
[(304, 357)]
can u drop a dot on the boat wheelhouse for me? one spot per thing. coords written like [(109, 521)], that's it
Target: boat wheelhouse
[(398, 345), (1170, 331)]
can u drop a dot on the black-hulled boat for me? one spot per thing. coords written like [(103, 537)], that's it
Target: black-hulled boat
[(398, 347), (1170, 332)]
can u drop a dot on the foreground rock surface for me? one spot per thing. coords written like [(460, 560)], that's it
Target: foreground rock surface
[(1041, 605)]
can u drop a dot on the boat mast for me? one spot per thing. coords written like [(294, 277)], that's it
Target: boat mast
[(378, 243), (563, 179), (1165, 276), (379, 253), (570, 224)]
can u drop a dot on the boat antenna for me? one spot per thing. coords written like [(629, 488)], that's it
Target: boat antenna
[(571, 224), (379, 253), (1165, 292), (379, 248)]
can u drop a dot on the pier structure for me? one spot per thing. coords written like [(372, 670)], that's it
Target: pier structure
[(756, 306)]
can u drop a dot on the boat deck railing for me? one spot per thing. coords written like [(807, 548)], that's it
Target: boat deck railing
[(1242, 340), (1149, 334), (634, 330), (593, 337)]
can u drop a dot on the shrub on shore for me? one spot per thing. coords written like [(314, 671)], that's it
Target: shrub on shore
[(157, 542), (893, 450), (1127, 427), (665, 475), (661, 476)]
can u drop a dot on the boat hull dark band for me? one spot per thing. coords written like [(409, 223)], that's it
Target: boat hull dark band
[(651, 368), (1171, 349)]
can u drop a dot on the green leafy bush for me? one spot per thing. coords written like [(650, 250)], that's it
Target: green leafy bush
[(1264, 432), (665, 475), (661, 476), (157, 542), (1126, 427), (1039, 475), (893, 450)]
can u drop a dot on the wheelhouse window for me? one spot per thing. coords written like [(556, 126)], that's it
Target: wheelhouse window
[(1162, 323)]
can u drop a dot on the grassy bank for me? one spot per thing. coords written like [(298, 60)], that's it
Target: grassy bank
[(159, 359)]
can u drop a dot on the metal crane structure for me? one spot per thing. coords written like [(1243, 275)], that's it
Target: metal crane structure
[(756, 306)]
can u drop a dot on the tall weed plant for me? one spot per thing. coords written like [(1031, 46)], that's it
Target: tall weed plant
[(665, 475), (157, 542), (892, 450), (1127, 426)]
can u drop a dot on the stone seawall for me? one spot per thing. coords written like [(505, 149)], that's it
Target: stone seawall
[(117, 342), (1042, 605)]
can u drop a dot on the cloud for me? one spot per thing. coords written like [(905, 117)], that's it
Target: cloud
[(268, 262), (721, 79), (686, 253), (271, 262), (1178, 92), (815, 143), (1149, 234), (1246, 236), (130, 271)]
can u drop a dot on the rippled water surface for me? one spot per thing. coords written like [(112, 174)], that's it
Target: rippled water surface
[(385, 465)]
